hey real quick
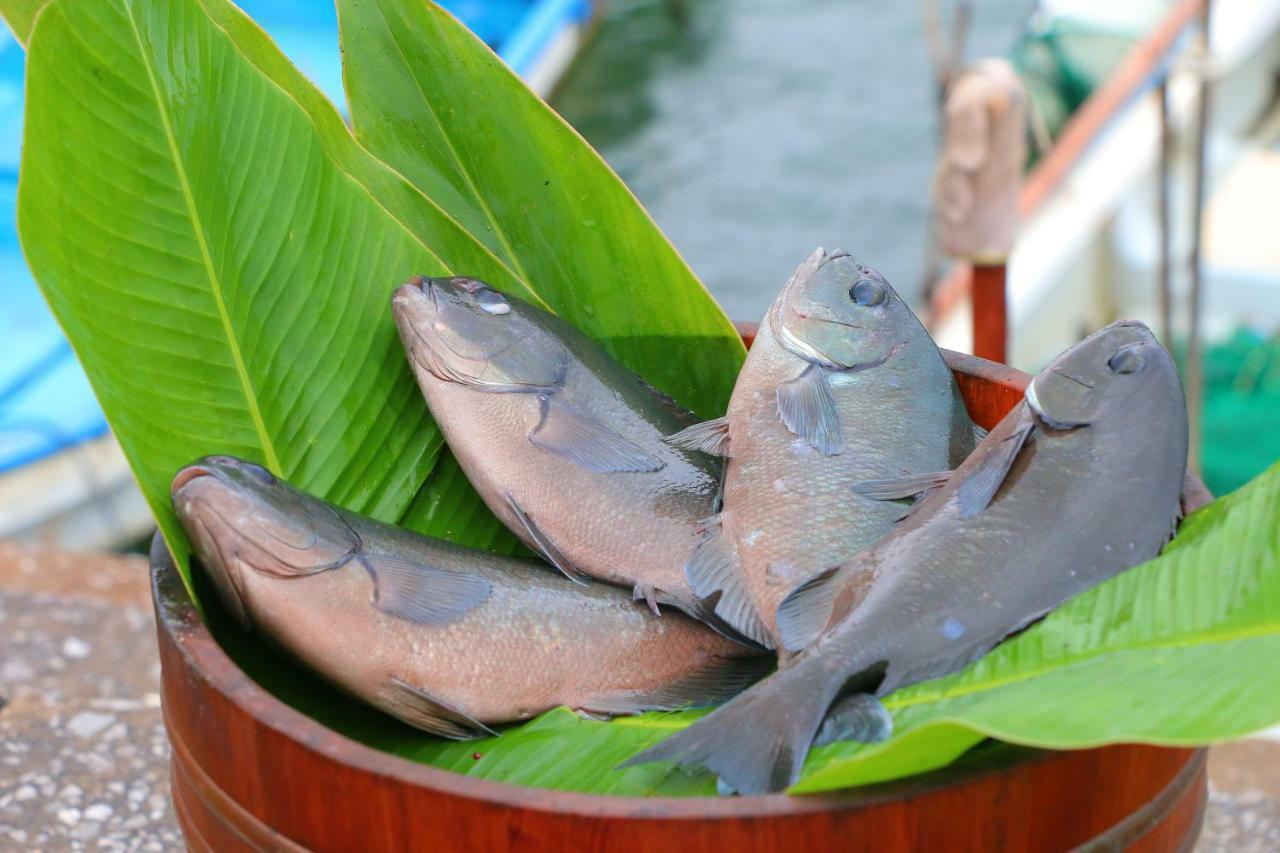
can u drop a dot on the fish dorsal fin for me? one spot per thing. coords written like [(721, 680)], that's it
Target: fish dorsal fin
[(543, 543), (573, 434), (720, 680), (805, 612), (710, 437), (715, 575), (421, 593), (421, 710), (860, 717), (976, 492), (808, 408), (901, 487)]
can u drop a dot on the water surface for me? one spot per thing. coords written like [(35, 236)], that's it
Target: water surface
[(759, 129)]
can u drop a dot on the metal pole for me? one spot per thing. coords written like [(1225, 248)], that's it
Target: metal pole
[(1195, 369), (1162, 262)]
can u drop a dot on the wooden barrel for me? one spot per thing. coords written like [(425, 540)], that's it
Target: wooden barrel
[(251, 773)]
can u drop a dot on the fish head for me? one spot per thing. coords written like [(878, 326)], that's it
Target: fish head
[(840, 313), (242, 519), (1121, 372), (461, 330)]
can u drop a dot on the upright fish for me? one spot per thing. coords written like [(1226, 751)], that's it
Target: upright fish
[(563, 443), (448, 639), (1078, 483), (842, 384)]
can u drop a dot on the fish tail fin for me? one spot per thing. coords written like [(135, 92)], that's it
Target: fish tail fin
[(757, 743)]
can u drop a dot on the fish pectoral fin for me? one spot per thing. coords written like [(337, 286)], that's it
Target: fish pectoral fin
[(716, 577), (808, 408), (720, 680), (805, 612), (898, 488), (421, 593), (421, 710), (860, 717), (647, 593), (978, 489), (544, 545), (573, 434), (710, 437)]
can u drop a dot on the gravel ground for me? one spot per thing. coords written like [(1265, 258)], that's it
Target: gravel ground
[(83, 755)]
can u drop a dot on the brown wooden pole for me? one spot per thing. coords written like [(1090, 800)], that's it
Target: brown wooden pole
[(990, 314)]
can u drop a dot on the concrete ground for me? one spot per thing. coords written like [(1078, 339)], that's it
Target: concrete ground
[(83, 756)]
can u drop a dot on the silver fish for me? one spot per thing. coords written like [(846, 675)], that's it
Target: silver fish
[(563, 443), (843, 384), (448, 639), (1078, 483)]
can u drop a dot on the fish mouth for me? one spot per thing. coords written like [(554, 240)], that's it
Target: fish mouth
[(189, 474), (209, 466), (412, 291)]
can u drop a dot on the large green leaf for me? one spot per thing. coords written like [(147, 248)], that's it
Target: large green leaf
[(20, 15), (222, 280), (220, 251), (434, 102)]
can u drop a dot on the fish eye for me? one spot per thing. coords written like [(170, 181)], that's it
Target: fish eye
[(259, 474), (1125, 361), (866, 293), (492, 302)]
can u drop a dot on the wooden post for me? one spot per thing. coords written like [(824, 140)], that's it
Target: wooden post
[(990, 313), (976, 188)]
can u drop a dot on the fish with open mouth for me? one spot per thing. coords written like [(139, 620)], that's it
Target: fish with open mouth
[(1080, 481), (843, 384), (448, 639), (564, 444)]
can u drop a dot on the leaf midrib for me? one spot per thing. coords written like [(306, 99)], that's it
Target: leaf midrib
[(197, 227), (1210, 639)]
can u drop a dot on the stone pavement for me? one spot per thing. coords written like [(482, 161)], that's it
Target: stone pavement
[(83, 756)]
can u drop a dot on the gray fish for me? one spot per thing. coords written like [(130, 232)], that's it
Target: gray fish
[(843, 384), (1078, 483), (564, 444), (448, 639)]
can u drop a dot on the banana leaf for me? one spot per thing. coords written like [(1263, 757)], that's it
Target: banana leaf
[(431, 100), (220, 252)]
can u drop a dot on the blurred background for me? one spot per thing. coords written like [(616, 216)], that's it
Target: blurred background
[(755, 131)]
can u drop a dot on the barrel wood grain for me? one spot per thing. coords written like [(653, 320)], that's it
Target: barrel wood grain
[(251, 773)]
